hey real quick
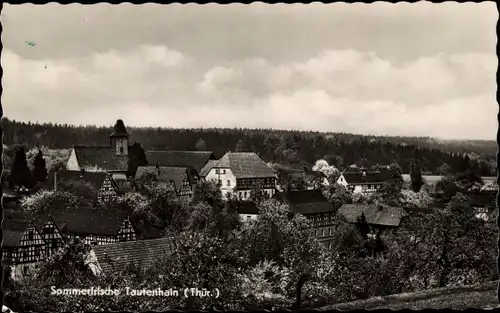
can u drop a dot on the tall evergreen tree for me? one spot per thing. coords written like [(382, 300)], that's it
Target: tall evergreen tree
[(39, 168), (416, 172), (136, 158), (20, 175)]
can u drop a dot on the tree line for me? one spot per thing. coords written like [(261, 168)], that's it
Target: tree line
[(293, 148)]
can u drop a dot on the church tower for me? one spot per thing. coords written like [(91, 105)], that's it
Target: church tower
[(119, 139)]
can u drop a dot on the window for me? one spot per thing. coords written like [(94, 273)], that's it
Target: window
[(249, 217), (223, 171), (229, 183), (47, 230), (30, 235), (220, 182), (217, 171), (245, 194)]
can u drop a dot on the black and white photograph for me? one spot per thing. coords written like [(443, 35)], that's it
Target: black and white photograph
[(252, 156)]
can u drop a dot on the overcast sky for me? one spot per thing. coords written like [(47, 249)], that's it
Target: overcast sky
[(408, 69)]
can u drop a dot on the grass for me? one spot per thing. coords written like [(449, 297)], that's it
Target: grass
[(483, 296)]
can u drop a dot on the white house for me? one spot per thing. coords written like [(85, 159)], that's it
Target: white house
[(237, 172), (362, 182)]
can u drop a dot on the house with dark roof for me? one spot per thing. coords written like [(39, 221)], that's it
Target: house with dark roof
[(183, 179), (187, 159), (110, 159), (108, 259), (22, 246), (315, 207), (483, 203), (95, 226), (238, 172), (362, 181), (102, 182), (379, 218)]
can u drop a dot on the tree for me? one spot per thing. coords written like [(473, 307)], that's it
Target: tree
[(392, 187), (47, 202), (200, 145), (338, 194), (20, 175), (84, 192), (362, 225), (39, 168), (416, 173), (331, 173), (136, 158)]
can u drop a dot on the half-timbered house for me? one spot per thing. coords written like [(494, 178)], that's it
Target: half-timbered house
[(102, 182), (315, 207), (183, 180), (483, 203), (238, 172), (362, 181), (23, 246), (111, 159), (95, 226)]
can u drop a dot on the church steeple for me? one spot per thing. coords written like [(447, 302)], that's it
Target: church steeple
[(119, 139)]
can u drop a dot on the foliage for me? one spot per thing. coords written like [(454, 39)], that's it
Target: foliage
[(136, 158), (416, 174), (392, 187), (20, 175), (45, 201), (286, 147), (257, 193), (39, 168), (412, 199), (338, 194), (331, 173)]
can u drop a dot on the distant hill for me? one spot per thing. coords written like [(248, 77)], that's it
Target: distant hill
[(295, 148)]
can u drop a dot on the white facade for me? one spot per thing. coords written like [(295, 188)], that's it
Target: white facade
[(72, 164), (248, 217), (228, 184)]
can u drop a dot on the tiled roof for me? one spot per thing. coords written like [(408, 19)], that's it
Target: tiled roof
[(139, 252), (245, 165), (367, 178), (387, 216), (206, 169), (306, 201), (247, 207), (102, 157), (119, 129), (167, 174), (20, 220), (193, 159), (482, 199), (96, 221), (96, 179)]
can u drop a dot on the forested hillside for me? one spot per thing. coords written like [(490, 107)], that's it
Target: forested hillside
[(287, 147)]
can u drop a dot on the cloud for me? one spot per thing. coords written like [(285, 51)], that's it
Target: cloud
[(447, 95)]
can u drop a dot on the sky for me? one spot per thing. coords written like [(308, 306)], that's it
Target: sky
[(420, 69)]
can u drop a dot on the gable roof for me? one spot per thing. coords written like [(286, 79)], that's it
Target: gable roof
[(96, 179), (388, 216), (308, 176), (119, 130), (95, 221), (139, 252), (305, 201), (103, 157), (245, 165), (206, 169), (166, 174), (193, 159), (364, 178)]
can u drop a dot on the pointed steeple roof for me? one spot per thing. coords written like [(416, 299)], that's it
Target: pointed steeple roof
[(119, 129)]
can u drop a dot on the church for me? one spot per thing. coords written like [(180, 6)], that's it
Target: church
[(112, 159)]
